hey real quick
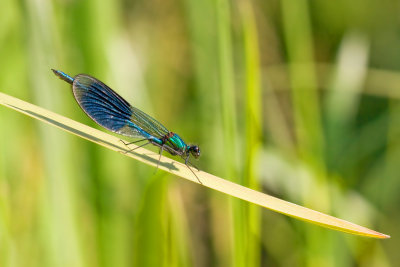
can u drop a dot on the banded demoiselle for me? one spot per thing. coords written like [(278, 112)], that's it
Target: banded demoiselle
[(111, 111)]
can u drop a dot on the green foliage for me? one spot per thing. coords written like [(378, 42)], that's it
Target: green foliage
[(294, 98)]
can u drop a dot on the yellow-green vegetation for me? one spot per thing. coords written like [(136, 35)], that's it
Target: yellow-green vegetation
[(182, 170), (295, 99)]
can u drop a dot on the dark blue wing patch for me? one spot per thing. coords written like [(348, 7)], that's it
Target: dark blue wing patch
[(111, 111), (101, 103)]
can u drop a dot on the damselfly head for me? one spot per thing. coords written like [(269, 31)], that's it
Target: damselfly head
[(195, 151)]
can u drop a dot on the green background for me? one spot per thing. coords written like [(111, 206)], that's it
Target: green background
[(298, 99)]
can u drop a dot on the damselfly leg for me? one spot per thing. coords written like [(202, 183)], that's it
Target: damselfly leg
[(130, 143)]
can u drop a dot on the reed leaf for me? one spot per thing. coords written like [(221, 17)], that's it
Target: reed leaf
[(179, 169)]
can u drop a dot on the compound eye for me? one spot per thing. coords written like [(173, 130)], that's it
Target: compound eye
[(195, 150)]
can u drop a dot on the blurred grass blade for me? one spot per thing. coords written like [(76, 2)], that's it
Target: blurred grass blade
[(253, 128), (181, 170), (229, 128)]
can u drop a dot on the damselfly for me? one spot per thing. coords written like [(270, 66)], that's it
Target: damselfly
[(111, 111)]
